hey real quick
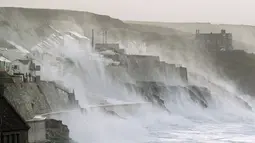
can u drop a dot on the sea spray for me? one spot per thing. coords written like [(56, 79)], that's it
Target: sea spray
[(90, 81)]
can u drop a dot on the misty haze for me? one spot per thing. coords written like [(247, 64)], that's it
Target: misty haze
[(127, 71)]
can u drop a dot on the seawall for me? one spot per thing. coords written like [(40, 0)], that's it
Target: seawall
[(32, 98)]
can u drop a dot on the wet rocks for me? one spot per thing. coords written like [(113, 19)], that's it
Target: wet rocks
[(156, 92), (200, 95)]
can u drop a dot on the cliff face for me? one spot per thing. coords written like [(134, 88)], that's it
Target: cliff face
[(27, 27), (239, 67), (32, 99)]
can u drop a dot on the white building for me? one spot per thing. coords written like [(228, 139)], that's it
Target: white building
[(4, 63), (26, 67)]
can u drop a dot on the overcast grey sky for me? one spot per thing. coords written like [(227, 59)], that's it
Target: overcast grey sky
[(215, 11)]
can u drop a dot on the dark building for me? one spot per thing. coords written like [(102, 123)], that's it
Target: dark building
[(100, 47), (111, 51), (215, 41), (13, 128), (183, 74)]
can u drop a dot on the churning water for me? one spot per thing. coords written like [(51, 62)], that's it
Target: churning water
[(225, 120)]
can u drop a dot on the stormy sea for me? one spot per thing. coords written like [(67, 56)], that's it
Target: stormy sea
[(63, 42)]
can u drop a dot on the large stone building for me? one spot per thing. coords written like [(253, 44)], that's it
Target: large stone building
[(215, 41), (109, 46)]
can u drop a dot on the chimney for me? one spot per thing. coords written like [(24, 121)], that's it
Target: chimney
[(223, 31), (197, 31)]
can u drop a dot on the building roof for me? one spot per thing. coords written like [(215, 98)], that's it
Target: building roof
[(6, 44), (222, 33), (10, 119), (4, 59), (13, 54), (25, 62)]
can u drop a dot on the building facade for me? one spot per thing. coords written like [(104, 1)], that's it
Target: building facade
[(215, 41), (27, 68), (4, 63), (48, 130), (100, 47)]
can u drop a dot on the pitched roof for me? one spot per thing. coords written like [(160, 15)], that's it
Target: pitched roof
[(13, 54), (11, 121), (25, 62), (4, 59), (6, 44)]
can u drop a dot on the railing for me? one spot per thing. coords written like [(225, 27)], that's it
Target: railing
[(124, 105)]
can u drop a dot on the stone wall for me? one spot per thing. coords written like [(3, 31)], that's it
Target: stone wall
[(107, 46), (148, 68), (156, 92), (118, 73), (27, 99), (142, 68), (48, 130), (56, 98), (37, 131), (32, 99)]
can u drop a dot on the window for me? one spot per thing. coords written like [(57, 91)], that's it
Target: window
[(18, 138), (16, 67), (10, 138), (7, 138), (13, 138)]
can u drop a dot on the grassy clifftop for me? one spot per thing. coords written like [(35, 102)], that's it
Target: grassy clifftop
[(29, 26), (243, 35)]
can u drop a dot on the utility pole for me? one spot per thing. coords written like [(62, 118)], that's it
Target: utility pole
[(103, 37), (92, 39), (106, 36)]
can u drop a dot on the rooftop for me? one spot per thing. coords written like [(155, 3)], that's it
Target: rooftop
[(6, 44)]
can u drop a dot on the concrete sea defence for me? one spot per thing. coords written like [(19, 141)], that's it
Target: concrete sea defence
[(157, 93), (31, 99)]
